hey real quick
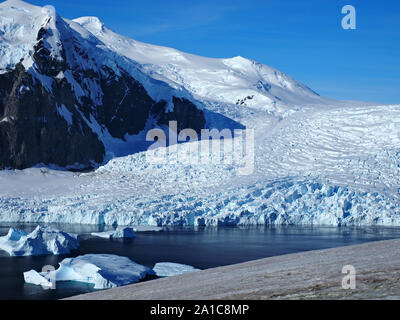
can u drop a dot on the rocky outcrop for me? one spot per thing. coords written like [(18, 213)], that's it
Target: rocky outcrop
[(33, 130), (185, 113), (58, 111)]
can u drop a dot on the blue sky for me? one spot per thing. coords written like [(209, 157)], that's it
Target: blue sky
[(302, 38)]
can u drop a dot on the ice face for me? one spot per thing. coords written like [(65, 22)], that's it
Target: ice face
[(41, 241), (15, 234)]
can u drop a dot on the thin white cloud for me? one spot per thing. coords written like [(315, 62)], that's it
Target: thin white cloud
[(175, 19)]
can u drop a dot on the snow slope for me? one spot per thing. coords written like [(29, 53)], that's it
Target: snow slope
[(20, 23), (234, 80), (317, 161), (18, 31), (162, 71)]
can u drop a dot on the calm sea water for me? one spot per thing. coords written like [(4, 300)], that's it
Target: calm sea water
[(202, 248)]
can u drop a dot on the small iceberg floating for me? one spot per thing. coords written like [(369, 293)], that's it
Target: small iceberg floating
[(169, 269), (37, 278), (103, 270), (119, 233), (41, 241), (146, 228)]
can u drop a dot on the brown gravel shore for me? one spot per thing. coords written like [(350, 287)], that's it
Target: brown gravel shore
[(305, 275)]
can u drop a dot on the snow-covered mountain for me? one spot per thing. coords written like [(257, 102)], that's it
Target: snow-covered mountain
[(81, 90), (231, 81), (73, 90), (66, 99)]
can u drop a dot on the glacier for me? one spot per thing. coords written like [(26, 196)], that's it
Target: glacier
[(317, 161), (102, 270), (342, 168), (41, 241)]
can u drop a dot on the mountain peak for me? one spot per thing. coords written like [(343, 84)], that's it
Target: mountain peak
[(68, 98), (92, 24), (20, 23), (18, 5)]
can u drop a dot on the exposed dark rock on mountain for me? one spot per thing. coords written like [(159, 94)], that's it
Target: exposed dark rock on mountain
[(185, 113), (58, 111)]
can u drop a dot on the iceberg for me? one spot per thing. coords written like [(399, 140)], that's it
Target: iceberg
[(37, 278), (119, 233), (146, 228), (41, 241), (169, 269), (102, 270)]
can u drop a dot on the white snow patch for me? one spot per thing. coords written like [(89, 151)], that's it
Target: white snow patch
[(60, 75), (65, 113), (79, 92)]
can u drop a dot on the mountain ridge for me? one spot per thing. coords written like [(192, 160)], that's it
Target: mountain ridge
[(68, 99), (76, 83)]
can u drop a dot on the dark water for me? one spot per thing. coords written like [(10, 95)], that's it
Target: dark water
[(202, 248)]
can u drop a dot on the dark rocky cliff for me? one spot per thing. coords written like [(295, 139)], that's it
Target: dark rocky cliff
[(44, 118)]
